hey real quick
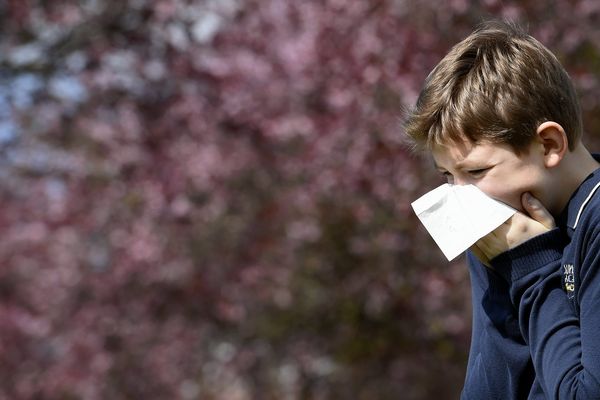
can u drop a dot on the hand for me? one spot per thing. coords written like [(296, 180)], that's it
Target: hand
[(516, 230)]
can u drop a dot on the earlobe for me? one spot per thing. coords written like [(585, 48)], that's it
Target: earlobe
[(554, 141)]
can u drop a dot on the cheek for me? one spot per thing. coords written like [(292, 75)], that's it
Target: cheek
[(508, 184), (505, 193)]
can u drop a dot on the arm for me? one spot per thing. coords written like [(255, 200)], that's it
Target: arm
[(565, 347)]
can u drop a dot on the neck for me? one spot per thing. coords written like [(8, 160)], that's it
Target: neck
[(577, 166)]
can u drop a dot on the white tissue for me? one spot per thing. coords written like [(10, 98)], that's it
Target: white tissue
[(457, 216)]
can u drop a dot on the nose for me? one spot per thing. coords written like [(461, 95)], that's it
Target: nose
[(460, 181)]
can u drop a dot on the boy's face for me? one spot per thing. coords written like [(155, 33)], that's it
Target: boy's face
[(494, 168)]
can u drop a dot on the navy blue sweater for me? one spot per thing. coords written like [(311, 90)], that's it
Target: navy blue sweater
[(536, 316)]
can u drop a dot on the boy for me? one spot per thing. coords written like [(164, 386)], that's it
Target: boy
[(501, 113)]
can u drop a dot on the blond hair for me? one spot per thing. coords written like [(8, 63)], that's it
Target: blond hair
[(497, 85)]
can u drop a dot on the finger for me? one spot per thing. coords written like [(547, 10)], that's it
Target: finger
[(537, 211)]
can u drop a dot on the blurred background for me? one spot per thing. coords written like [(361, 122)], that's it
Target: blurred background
[(210, 199)]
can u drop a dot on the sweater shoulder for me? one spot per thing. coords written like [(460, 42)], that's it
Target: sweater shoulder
[(588, 214)]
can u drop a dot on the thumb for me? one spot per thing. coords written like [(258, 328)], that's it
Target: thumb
[(537, 211)]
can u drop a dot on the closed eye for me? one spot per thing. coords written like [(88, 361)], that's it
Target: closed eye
[(478, 172)]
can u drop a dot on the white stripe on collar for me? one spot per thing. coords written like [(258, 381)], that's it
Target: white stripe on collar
[(587, 199)]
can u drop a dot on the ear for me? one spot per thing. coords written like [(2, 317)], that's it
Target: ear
[(554, 141)]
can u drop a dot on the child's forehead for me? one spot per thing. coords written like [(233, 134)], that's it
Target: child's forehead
[(461, 147), (466, 151)]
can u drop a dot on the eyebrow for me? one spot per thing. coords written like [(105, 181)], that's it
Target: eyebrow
[(459, 165)]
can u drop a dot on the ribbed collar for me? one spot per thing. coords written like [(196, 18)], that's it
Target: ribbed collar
[(569, 217)]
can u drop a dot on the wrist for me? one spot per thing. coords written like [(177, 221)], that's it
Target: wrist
[(530, 255)]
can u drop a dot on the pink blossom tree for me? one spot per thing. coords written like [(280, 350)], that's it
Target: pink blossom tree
[(211, 199)]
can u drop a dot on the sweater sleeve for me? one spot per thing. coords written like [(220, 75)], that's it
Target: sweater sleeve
[(564, 346)]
